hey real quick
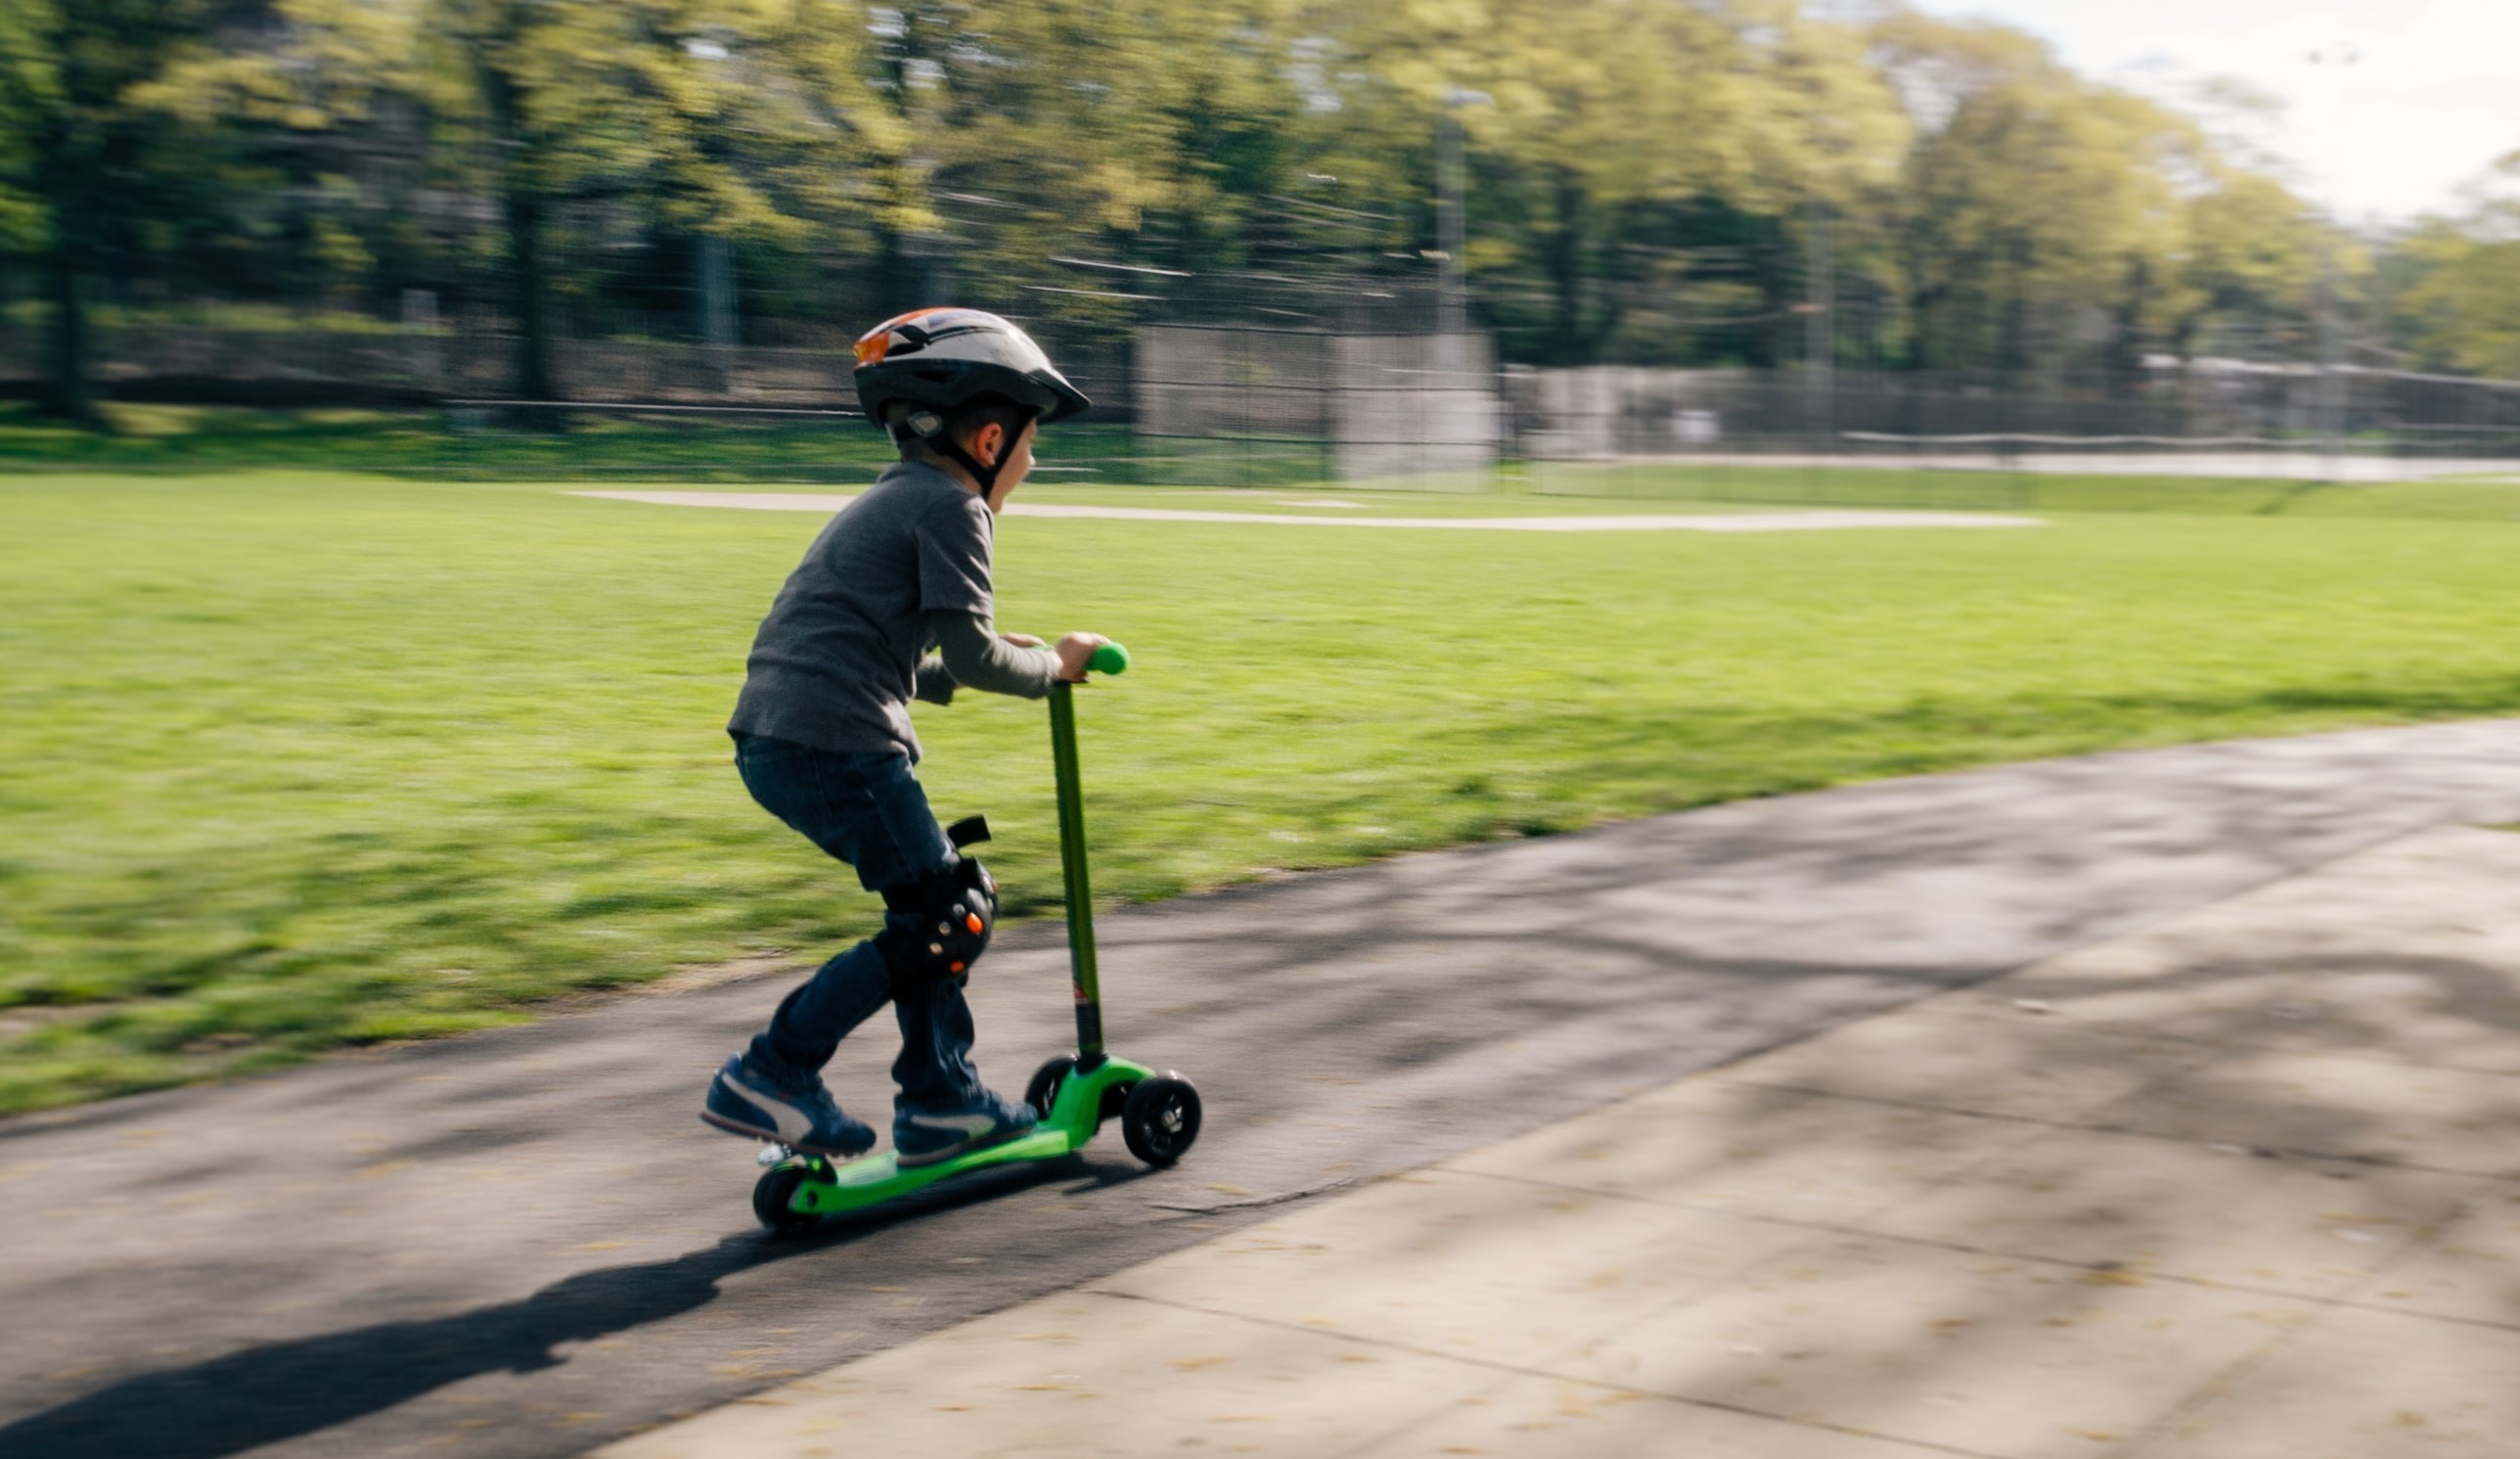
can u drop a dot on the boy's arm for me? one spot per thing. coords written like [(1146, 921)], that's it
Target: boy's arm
[(935, 686), (974, 656)]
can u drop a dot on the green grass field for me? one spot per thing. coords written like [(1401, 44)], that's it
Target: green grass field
[(2458, 497), (291, 760)]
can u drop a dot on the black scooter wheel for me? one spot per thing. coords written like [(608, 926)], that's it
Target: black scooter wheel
[(772, 1198), (1161, 1119), (1043, 1091)]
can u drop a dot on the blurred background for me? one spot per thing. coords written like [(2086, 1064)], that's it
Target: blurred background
[(1562, 246)]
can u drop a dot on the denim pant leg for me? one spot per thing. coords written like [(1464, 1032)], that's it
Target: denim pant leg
[(869, 811), (935, 1068)]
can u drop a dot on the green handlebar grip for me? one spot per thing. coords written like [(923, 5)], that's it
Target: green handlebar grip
[(1109, 658)]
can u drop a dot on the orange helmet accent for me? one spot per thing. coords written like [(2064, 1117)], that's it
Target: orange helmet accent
[(873, 345), (938, 359)]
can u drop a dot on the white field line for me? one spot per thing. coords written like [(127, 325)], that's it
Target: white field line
[(2271, 468), (1746, 521)]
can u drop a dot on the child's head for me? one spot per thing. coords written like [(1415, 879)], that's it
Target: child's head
[(963, 387)]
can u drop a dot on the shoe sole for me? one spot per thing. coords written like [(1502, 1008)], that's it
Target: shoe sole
[(715, 1121)]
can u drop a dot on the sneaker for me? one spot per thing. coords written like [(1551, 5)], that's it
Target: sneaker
[(922, 1137), (743, 1099)]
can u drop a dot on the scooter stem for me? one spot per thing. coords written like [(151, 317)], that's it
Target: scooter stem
[(1080, 894)]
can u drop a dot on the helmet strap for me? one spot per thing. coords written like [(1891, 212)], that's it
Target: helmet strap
[(936, 430), (985, 475), (945, 443)]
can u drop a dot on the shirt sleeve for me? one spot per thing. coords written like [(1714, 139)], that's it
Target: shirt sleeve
[(954, 558), (978, 659), (935, 685)]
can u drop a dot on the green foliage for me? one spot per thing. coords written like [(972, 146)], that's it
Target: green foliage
[(1644, 176), (28, 91), (2476, 498), (2469, 303), (84, 158), (2036, 195), (2463, 303), (2252, 256), (754, 119)]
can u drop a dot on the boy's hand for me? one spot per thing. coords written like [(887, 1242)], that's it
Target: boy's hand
[(1075, 652)]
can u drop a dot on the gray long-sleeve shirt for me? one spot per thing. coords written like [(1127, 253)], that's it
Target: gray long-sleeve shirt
[(901, 569), (971, 655)]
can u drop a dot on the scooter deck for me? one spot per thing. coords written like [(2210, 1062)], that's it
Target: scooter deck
[(1075, 1116)]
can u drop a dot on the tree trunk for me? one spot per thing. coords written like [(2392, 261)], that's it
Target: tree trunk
[(1925, 316), (2013, 346), (1564, 251), (2122, 361), (1771, 339), (66, 383), (67, 391), (533, 380)]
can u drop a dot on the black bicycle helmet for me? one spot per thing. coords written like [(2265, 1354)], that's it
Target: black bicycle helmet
[(935, 360)]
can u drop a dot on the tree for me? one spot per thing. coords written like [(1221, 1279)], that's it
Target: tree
[(1061, 144), (1644, 176), (2251, 257), (729, 118), (23, 85), (749, 119), (1639, 163), (2031, 196), (2462, 311), (76, 142)]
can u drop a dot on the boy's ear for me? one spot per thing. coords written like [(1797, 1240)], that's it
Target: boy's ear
[(987, 443)]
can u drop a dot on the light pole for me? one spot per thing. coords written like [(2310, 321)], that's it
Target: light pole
[(1452, 232), (1819, 339), (2331, 330), (712, 262)]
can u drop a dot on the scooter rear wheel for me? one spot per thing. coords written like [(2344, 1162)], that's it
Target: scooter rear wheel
[(1043, 1091), (772, 1196), (1160, 1119)]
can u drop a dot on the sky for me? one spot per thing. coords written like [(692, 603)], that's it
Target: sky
[(2429, 102)]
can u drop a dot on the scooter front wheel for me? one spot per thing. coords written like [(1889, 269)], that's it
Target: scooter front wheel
[(1160, 1119)]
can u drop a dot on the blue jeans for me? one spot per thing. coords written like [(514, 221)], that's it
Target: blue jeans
[(869, 811)]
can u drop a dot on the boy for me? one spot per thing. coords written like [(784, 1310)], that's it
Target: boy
[(823, 737)]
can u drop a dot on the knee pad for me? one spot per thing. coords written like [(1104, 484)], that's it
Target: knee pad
[(956, 910)]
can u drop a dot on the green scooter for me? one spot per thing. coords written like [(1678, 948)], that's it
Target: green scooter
[(1159, 1113)]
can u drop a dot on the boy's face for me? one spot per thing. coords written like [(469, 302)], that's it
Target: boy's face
[(1018, 458)]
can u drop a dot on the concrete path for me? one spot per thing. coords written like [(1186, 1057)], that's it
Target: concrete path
[(1737, 521), (2241, 1184), (524, 1244)]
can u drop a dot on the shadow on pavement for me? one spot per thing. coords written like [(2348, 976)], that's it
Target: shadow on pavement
[(283, 1390), (266, 1394)]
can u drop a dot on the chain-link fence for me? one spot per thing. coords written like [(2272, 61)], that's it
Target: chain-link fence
[(1362, 402), (1946, 439)]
